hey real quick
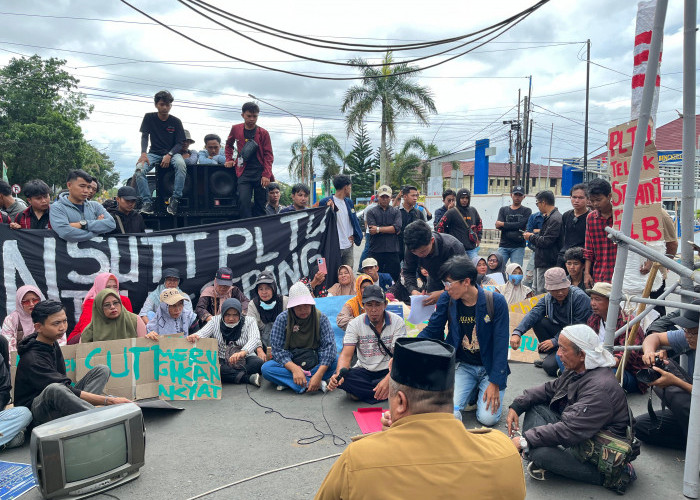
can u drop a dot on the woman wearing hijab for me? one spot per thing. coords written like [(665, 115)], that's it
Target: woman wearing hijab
[(345, 284), (111, 320), (170, 279), (266, 305), (209, 304), (482, 270), (171, 318), (240, 352), (514, 291), (353, 307), (102, 281), (495, 265), (18, 324), (303, 345), (316, 281)]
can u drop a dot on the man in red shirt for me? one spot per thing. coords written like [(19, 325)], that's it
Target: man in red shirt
[(253, 163), (600, 252)]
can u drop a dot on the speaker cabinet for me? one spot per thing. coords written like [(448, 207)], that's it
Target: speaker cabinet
[(219, 188), (165, 183)]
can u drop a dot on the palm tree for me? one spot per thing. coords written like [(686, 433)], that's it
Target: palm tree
[(325, 148), (426, 151), (397, 95)]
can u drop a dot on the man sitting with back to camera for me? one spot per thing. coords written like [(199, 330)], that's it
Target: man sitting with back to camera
[(372, 335), (211, 154), (669, 427), (563, 305), (564, 416), (41, 383), (423, 451)]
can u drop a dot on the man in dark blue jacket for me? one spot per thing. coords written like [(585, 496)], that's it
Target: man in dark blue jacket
[(478, 330), (349, 231)]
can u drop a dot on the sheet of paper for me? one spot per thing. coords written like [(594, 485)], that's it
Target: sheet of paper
[(419, 312), (369, 419), (497, 278)]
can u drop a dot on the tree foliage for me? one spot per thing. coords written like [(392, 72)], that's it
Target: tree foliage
[(40, 114), (361, 163), (396, 94), (323, 151)]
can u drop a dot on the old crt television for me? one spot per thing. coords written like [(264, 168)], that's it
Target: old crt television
[(89, 452)]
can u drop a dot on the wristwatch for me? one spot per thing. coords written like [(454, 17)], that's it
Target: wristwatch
[(83, 224), (523, 443)]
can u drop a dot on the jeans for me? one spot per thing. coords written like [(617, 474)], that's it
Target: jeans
[(12, 422), (177, 161), (57, 400), (347, 256), (278, 374), (246, 190), (467, 377), (555, 458), (671, 430), (530, 270), (516, 255), (361, 382), (474, 252), (545, 329), (233, 375)]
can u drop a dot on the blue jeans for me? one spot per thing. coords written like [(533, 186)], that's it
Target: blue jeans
[(516, 255), (474, 252), (177, 161), (12, 421), (278, 374), (467, 377)]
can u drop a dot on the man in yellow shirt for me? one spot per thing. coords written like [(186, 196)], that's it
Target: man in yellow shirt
[(425, 452)]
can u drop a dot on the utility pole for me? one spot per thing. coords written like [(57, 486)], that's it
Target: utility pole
[(510, 155), (529, 150), (517, 146), (549, 161), (525, 126), (585, 127)]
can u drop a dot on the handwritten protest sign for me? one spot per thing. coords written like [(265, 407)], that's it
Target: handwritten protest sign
[(527, 352), (646, 222), (171, 369)]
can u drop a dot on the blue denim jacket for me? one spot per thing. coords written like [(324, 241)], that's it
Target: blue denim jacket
[(534, 222), (493, 335), (356, 229)]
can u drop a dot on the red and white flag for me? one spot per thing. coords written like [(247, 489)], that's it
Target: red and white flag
[(642, 42)]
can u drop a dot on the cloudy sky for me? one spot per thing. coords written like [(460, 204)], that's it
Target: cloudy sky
[(122, 58)]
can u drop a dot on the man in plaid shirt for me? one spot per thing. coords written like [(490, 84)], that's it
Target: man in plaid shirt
[(36, 216), (600, 251)]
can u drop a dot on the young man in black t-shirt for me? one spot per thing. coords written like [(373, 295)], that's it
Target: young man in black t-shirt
[(167, 135), (511, 222)]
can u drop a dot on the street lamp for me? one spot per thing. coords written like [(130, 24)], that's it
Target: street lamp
[(303, 146)]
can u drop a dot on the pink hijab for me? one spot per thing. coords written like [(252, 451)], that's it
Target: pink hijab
[(100, 284), (19, 316)]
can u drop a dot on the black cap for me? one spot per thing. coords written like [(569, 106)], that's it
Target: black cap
[(373, 292), (224, 276), (424, 364), (127, 193), (170, 272), (518, 190), (688, 318)]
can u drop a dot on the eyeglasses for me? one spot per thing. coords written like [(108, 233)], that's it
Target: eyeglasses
[(111, 305), (448, 284), (30, 302)]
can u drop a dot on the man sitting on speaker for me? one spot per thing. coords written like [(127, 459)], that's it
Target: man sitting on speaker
[(300, 198), (254, 161), (189, 155), (373, 335), (212, 154), (167, 135)]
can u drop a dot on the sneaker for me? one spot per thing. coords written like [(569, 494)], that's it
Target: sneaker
[(324, 386), (147, 207), (15, 442), (281, 387), (172, 205), (254, 379), (537, 474)]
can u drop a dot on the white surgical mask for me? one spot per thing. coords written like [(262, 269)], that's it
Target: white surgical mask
[(268, 307), (232, 325)]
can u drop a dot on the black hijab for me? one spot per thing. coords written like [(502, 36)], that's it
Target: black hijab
[(268, 315)]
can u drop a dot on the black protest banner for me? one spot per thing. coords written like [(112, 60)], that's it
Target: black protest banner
[(284, 244)]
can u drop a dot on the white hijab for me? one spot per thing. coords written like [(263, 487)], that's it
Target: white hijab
[(587, 340), (513, 293)]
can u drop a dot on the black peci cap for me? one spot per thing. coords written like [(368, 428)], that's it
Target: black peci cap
[(424, 364)]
